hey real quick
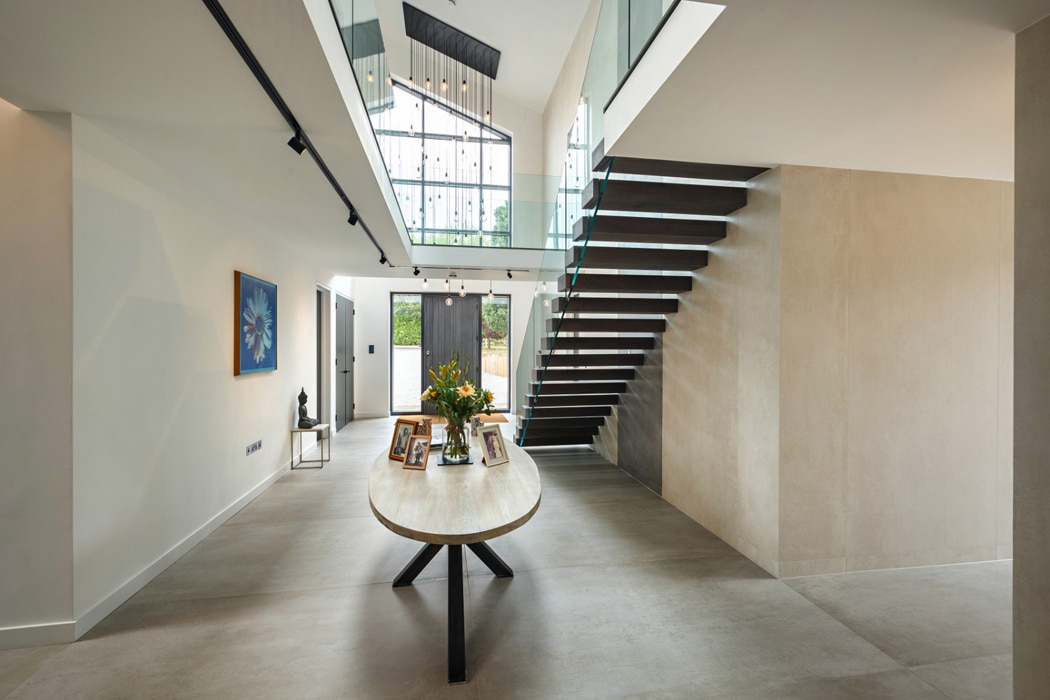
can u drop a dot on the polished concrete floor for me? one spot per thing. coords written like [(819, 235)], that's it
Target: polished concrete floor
[(616, 595)]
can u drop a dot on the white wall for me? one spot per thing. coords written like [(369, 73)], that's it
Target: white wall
[(36, 313), (561, 107), (160, 424), (372, 327)]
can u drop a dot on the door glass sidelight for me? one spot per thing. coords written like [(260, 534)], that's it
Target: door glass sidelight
[(495, 349), (405, 352)]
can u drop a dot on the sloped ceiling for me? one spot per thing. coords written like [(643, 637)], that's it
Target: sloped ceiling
[(533, 37)]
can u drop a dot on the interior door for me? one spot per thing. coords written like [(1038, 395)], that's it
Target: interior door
[(448, 329), (344, 361)]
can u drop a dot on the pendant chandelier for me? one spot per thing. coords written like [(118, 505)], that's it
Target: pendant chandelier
[(450, 66)]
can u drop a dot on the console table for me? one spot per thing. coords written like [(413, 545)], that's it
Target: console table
[(453, 506), (324, 435)]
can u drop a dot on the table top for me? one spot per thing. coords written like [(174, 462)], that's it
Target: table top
[(319, 427), (459, 504)]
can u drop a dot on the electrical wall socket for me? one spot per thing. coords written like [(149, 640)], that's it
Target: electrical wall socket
[(254, 447)]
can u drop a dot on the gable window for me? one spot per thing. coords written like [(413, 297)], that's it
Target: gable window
[(450, 171)]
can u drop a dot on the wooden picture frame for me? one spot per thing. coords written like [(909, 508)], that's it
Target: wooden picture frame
[(403, 430), (254, 324), (493, 449), (417, 452)]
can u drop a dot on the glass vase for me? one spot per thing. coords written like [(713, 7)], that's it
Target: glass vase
[(456, 448)]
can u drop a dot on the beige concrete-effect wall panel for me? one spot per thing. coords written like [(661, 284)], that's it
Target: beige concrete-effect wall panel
[(923, 370), (720, 412), (700, 394), (758, 379), (813, 370)]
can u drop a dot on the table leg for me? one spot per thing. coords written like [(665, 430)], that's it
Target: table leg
[(416, 566), (457, 652), (491, 560)]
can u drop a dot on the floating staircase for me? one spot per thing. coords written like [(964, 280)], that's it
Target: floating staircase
[(602, 338)]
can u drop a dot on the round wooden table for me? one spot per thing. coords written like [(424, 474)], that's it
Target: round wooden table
[(453, 506)]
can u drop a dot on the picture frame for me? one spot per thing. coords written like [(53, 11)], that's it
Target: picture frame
[(403, 430), (425, 427), (254, 324), (417, 452), (493, 449)]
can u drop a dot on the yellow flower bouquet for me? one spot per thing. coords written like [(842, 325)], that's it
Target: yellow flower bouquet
[(456, 402)]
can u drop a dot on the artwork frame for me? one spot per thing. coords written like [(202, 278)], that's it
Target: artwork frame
[(254, 324), (403, 430), (493, 448), (417, 452)]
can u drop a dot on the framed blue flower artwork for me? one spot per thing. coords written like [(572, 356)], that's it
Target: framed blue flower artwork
[(254, 324)]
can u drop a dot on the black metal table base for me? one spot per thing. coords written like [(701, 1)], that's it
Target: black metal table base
[(457, 651)]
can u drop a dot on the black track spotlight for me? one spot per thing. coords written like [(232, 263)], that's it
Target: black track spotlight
[(509, 276), (382, 258), (352, 219), (415, 272), (296, 143)]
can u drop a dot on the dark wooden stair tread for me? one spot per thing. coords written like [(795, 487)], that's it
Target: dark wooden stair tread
[(564, 359), (672, 168), (562, 421), (570, 324), (616, 305), (576, 388), (535, 429), (567, 412), (586, 375), (653, 284), (573, 400), (644, 342), (664, 197), (550, 441), (644, 229), (602, 257)]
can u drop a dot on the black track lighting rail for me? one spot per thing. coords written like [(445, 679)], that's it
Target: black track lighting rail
[(256, 68)]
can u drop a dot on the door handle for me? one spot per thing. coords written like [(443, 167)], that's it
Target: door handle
[(428, 353)]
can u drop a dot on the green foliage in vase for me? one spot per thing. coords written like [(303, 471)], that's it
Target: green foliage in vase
[(456, 402)]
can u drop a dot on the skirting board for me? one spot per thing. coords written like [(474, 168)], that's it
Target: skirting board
[(69, 631), (36, 635), (97, 612)]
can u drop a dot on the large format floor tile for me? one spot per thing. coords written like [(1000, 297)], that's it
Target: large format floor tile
[(616, 595), (924, 615)]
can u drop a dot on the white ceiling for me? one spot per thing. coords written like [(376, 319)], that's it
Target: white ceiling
[(773, 81), (533, 39), (922, 86), (164, 79)]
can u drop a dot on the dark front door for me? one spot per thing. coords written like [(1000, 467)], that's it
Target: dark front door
[(448, 329), (344, 361)]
